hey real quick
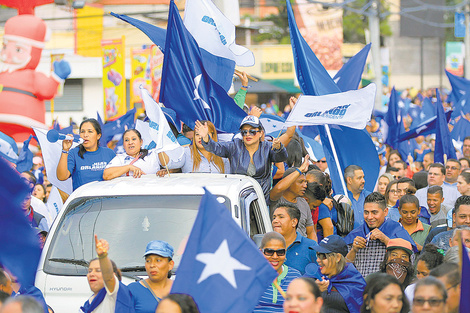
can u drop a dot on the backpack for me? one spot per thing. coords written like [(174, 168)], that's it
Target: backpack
[(345, 223)]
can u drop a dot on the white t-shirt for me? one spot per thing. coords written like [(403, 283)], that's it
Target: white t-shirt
[(150, 164), (109, 302)]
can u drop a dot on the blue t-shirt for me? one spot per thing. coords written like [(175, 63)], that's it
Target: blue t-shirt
[(324, 212), (90, 168), (144, 301), (299, 254)]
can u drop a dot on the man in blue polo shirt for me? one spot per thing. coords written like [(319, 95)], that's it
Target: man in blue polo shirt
[(354, 176), (299, 253)]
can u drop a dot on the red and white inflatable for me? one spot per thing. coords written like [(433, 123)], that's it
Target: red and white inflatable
[(22, 88)]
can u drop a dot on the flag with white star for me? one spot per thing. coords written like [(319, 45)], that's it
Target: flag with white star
[(221, 267)]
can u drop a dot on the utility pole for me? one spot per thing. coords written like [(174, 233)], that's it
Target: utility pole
[(374, 28)]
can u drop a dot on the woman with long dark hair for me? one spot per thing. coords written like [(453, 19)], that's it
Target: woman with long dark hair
[(384, 294), (86, 162), (137, 161)]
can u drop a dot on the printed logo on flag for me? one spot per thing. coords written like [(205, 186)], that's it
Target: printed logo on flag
[(335, 113)]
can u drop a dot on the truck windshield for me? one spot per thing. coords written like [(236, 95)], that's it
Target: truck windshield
[(128, 223)]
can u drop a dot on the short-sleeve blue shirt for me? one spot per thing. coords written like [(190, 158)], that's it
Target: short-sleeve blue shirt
[(324, 212), (90, 168), (358, 207), (144, 301), (299, 254)]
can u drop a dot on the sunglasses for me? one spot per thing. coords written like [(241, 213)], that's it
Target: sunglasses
[(432, 302), (252, 132), (270, 252)]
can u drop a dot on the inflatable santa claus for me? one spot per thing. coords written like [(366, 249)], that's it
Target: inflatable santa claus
[(22, 88)]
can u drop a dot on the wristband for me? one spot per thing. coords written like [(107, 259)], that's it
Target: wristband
[(246, 87), (104, 255), (300, 172), (64, 151)]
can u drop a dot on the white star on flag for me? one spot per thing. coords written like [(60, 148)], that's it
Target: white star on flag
[(197, 81), (220, 262)]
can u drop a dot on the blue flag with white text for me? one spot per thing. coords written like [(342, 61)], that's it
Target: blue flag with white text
[(221, 267), (353, 146), (443, 143), (19, 244), (187, 88), (219, 69), (349, 76)]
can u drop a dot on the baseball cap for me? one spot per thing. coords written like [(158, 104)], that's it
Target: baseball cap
[(332, 243), (159, 247), (252, 121), (399, 243)]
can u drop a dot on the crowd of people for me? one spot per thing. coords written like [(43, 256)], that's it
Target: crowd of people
[(392, 249)]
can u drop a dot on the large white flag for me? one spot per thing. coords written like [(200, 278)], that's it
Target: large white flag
[(159, 130), (351, 108), (214, 32), (54, 202), (51, 152)]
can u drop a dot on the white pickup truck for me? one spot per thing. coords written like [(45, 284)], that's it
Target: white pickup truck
[(129, 213)]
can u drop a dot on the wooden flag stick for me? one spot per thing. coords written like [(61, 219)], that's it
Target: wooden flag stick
[(247, 75)]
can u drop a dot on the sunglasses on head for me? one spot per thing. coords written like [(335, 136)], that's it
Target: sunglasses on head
[(252, 132), (270, 252)]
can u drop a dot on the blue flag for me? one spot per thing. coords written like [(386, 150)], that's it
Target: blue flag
[(218, 68), (349, 76), (444, 143), (353, 146), (391, 118), (221, 267), (116, 127), (187, 88), (465, 282), (459, 85), (425, 128), (25, 159), (461, 129), (19, 244)]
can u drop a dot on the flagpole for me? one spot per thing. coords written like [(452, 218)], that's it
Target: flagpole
[(338, 166)]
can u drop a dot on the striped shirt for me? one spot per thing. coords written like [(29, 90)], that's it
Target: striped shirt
[(271, 300)]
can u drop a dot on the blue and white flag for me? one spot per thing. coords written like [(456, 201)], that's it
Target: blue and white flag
[(313, 147), (461, 130), (214, 32), (272, 124), (159, 130), (8, 148), (443, 145), (221, 267), (187, 88), (51, 152), (25, 159), (144, 130), (54, 202), (220, 69), (19, 244), (353, 146), (350, 75), (351, 108)]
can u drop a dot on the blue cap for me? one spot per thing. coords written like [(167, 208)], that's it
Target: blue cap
[(332, 243), (252, 121), (159, 247)]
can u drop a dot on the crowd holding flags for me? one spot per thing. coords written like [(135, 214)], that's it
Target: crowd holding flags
[(200, 57)]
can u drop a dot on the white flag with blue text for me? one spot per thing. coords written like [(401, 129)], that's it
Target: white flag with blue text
[(159, 130), (54, 202), (51, 152), (351, 108), (214, 32)]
